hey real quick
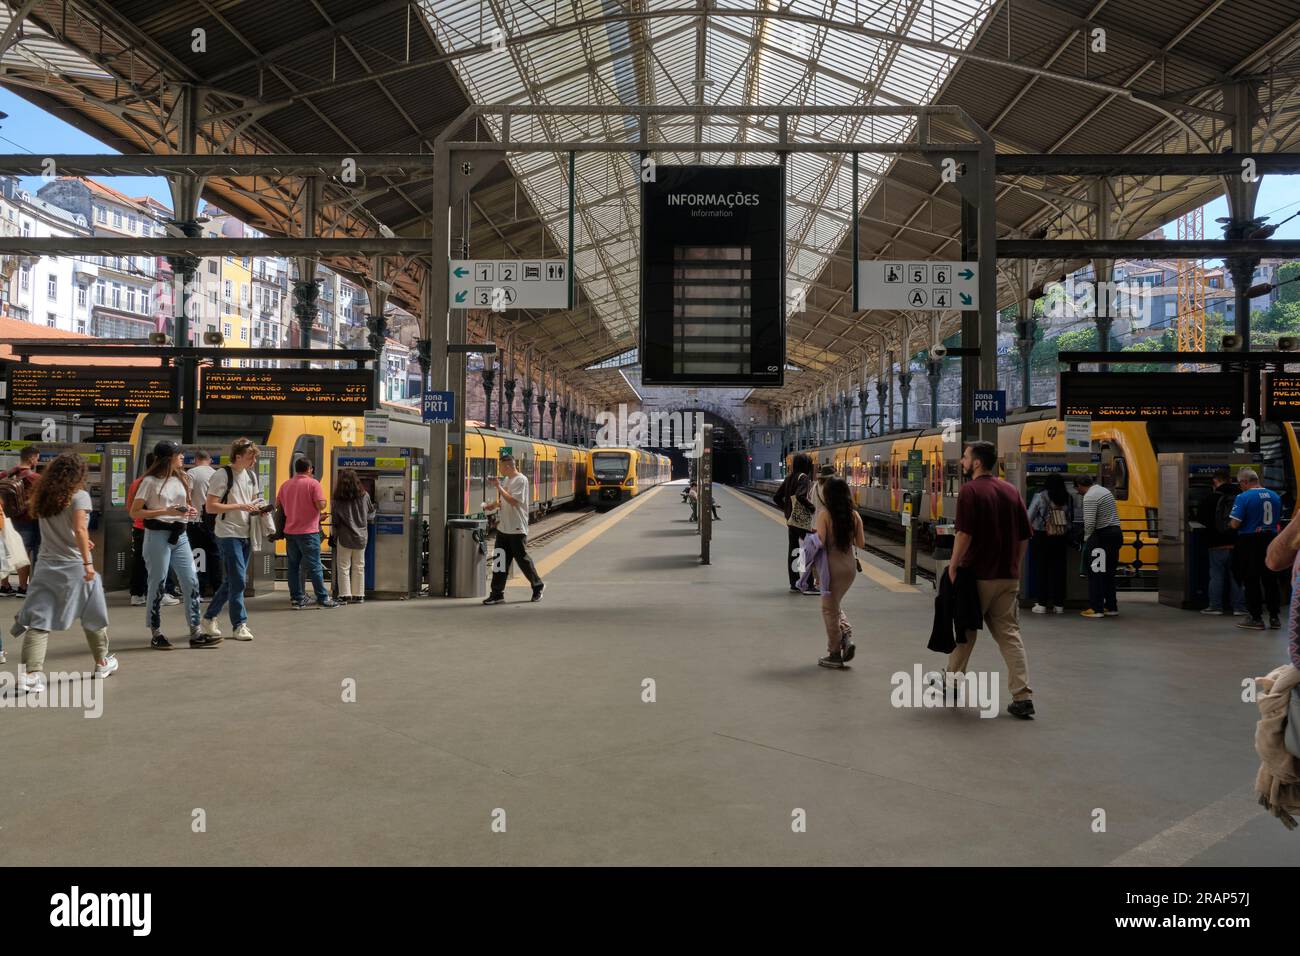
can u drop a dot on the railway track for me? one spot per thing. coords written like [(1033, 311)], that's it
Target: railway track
[(546, 532), (888, 551)]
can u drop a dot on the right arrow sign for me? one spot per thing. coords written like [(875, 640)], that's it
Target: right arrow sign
[(919, 286)]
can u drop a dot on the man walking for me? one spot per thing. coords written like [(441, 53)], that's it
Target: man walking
[(303, 501), (233, 500), (201, 532), (1101, 542), (1226, 595), (512, 533), (1256, 516), (992, 535)]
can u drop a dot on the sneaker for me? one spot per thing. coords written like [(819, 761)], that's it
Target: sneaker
[(22, 593), (106, 666), (1274, 622), (242, 633), (32, 683), (794, 589), (203, 640), (159, 643), (170, 601), (1251, 624), (7, 590), (832, 660), (1060, 609), (209, 627), (1212, 610), (137, 600), (4, 659), (1024, 709), (1110, 613), (1038, 609), (328, 604), (298, 604), (537, 592), (812, 592), (1092, 615), (1240, 612), (495, 599), (847, 648)]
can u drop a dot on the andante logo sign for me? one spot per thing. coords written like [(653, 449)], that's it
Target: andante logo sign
[(77, 909), (730, 200)]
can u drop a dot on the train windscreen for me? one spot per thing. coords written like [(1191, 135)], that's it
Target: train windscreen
[(610, 466)]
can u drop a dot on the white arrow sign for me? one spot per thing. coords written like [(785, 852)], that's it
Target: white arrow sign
[(501, 284), (918, 284)]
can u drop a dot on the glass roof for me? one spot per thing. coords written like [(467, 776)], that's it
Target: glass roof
[(732, 58)]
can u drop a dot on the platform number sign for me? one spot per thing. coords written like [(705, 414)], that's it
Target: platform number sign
[(932, 286), (500, 284), (439, 406)]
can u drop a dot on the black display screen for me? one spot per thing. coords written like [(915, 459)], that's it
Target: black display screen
[(713, 276), (1282, 397), (1143, 396), (91, 390), (287, 391)]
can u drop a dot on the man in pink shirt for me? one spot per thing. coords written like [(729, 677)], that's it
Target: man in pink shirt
[(303, 501)]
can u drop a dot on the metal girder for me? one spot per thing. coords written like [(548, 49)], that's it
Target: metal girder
[(1145, 248), (1146, 164), (270, 164), (212, 248)]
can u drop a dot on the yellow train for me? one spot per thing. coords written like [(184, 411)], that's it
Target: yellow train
[(876, 468), (616, 474)]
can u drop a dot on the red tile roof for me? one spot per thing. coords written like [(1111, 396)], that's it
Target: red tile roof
[(12, 329)]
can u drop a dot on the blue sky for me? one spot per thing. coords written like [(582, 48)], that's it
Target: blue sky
[(28, 126)]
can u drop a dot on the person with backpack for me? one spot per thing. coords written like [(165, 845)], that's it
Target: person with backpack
[(202, 527), (162, 502), (1214, 511), (64, 586), (235, 499), (15, 495), (1051, 517), (792, 498)]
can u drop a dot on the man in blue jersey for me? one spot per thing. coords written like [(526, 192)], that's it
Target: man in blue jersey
[(1257, 516)]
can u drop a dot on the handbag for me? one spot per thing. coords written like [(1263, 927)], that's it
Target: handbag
[(1291, 737), (15, 556)]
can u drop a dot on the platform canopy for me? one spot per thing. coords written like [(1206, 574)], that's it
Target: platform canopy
[(334, 76)]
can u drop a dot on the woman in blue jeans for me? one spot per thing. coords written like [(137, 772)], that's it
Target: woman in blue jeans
[(163, 502)]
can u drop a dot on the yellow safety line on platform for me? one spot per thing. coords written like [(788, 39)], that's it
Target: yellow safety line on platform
[(550, 562), (870, 570)]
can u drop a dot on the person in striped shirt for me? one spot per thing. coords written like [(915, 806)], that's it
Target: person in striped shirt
[(1102, 539)]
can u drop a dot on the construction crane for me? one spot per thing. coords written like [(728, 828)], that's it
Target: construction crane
[(1191, 287)]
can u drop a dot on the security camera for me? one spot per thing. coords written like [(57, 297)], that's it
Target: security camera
[(386, 232), (938, 351), (1231, 342)]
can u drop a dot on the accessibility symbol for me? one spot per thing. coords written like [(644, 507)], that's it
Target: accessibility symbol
[(893, 273)]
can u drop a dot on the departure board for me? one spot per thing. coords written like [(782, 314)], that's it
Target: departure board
[(91, 390), (1282, 397), (1144, 396), (287, 391)]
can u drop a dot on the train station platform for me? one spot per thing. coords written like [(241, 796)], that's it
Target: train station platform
[(534, 718)]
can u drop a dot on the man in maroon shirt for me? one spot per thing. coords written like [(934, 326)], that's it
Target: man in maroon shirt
[(992, 534)]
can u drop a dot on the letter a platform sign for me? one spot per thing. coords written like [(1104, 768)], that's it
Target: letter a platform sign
[(500, 284), (918, 285)]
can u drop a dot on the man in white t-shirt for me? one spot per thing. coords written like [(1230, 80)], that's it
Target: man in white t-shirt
[(233, 498), (201, 530), (512, 532)]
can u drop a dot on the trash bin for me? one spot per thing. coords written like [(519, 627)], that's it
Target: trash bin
[(467, 557)]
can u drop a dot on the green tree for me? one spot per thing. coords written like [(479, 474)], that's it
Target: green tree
[(1290, 292)]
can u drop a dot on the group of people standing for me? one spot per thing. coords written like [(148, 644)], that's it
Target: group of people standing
[(221, 511), (1090, 518), (1241, 523)]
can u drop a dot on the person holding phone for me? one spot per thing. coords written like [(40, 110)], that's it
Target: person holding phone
[(233, 498), (162, 502), (512, 532)]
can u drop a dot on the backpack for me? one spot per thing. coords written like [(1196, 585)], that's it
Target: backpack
[(1222, 514), (1058, 521), (230, 484), (13, 496)]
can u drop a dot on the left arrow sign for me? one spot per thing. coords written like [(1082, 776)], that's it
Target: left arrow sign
[(460, 296), (460, 272)]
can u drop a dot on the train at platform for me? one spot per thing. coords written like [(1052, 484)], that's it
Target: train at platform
[(876, 471)]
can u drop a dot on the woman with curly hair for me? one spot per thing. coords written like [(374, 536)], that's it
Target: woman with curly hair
[(353, 511), (64, 586)]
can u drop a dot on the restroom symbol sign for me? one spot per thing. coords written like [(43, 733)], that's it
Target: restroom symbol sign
[(555, 271)]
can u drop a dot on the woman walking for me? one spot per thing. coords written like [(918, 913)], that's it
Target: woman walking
[(840, 529), (64, 586), (162, 502), (1051, 517), (353, 511), (792, 496)]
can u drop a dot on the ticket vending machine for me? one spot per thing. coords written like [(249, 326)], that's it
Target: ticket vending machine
[(109, 473), (394, 477), (261, 564), (1186, 478), (1028, 471)]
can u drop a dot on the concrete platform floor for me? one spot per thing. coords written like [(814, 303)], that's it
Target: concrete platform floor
[(463, 713)]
